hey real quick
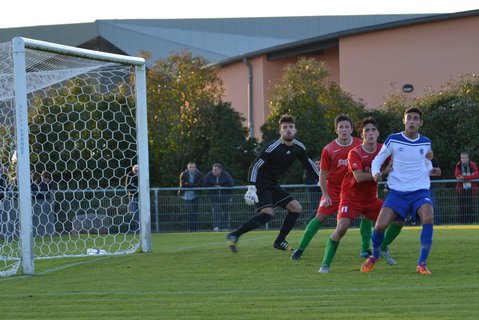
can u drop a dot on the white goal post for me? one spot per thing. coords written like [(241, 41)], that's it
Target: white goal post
[(73, 123)]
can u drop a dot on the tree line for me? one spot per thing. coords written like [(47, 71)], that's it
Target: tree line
[(211, 131), (189, 121)]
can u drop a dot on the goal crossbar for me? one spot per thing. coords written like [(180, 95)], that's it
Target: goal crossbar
[(79, 52)]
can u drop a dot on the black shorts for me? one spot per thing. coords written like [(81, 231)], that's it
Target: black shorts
[(272, 196)]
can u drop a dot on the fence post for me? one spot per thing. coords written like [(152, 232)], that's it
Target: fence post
[(157, 218)]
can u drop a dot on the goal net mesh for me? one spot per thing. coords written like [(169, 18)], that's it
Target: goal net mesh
[(82, 133)]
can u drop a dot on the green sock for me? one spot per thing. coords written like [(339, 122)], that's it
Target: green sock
[(329, 252), (311, 230), (366, 231), (391, 233)]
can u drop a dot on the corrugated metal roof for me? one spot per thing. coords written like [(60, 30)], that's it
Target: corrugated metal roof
[(218, 40), (221, 39), (67, 34)]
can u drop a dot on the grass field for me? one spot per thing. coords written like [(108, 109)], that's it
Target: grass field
[(194, 276)]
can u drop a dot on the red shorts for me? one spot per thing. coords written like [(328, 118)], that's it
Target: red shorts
[(333, 208), (352, 210)]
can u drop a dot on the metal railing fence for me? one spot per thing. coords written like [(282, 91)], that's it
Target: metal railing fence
[(170, 213)]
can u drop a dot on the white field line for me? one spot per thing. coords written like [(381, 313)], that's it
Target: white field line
[(205, 245), (47, 271), (75, 264), (70, 265)]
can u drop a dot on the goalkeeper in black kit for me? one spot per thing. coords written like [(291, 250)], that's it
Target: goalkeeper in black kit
[(265, 190)]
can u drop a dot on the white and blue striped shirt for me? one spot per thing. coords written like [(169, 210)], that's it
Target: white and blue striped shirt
[(410, 168)]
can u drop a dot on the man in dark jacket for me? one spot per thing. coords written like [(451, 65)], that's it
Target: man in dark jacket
[(43, 202), (265, 190), (191, 178), (220, 197), (5, 206)]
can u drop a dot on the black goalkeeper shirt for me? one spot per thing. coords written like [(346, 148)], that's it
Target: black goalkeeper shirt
[(275, 159)]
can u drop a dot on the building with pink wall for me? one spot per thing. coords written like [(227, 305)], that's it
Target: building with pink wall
[(370, 64), (425, 56)]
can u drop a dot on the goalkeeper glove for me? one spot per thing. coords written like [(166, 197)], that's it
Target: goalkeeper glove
[(250, 196)]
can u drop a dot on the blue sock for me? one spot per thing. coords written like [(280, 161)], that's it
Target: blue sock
[(426, 242), (376, 241)]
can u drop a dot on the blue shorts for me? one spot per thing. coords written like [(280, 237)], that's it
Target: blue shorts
[(407, 203)]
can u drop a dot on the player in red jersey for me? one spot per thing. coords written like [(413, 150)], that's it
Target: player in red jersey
[(358, 189), (334, 165)]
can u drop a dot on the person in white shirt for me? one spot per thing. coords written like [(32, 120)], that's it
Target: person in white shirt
[(408, 183)]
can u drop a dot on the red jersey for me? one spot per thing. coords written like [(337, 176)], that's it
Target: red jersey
[(351, 190), (334, 158)]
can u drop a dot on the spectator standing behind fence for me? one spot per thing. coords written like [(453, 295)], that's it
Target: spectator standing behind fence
[(220, 198), (131, 186), (466, 170), (5, 205), (43, 190), (314, 190), (191, 178)]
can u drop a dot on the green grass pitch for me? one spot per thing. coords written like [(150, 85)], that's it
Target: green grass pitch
[(195, 276)]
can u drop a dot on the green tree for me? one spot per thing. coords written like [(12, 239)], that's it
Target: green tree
[(81, 135), (451, 119), (306, 93), (389, 117), (188, 121), (177, 88), (224, 139)]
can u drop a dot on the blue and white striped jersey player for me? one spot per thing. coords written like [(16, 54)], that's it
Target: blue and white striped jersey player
[(409, 183)]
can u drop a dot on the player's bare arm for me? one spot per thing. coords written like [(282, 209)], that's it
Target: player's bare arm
[(323, 178), (430, 155), (361, 176)]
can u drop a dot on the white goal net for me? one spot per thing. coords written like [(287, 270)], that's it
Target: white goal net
[(72, 126)]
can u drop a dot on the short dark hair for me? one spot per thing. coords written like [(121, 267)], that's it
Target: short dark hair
[(191, 162), (342, 117), (366, 121), (286, 119), (413, 109)]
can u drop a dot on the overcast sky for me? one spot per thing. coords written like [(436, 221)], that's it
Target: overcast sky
[(18, 13)]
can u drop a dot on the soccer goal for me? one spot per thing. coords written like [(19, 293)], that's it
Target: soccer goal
[(72, 124)]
